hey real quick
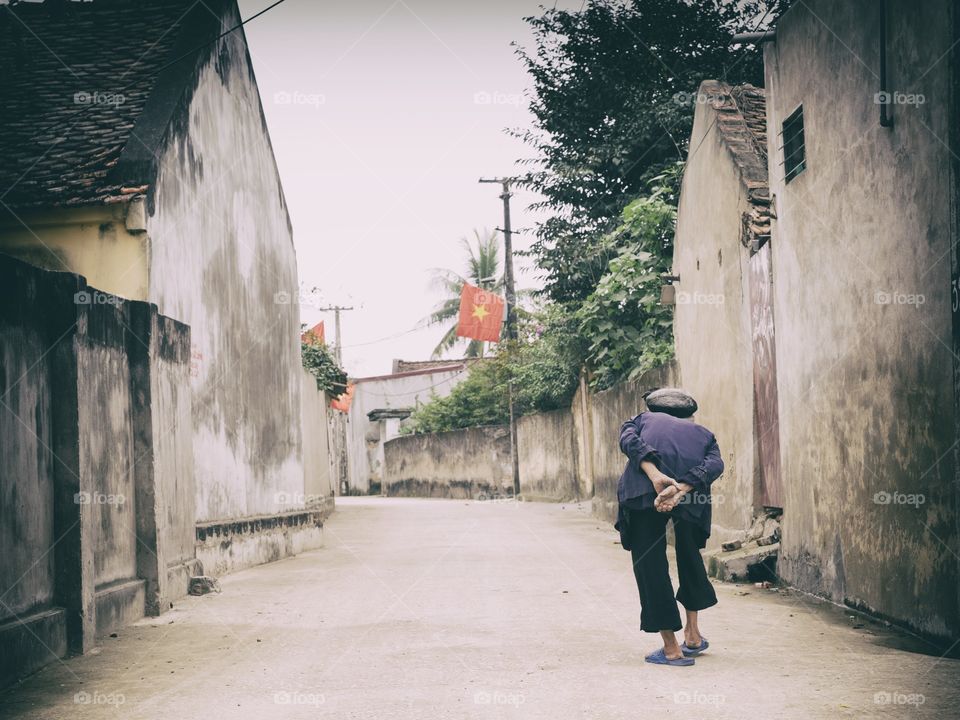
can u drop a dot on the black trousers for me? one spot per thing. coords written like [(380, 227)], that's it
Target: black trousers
[(648, 548)]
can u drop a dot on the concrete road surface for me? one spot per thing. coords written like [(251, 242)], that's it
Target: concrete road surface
[(452, 609)]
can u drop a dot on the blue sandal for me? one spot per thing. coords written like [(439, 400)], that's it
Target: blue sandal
[(659, 657), (692, 652)]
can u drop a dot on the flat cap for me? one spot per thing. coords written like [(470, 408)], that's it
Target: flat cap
[(672, 401)]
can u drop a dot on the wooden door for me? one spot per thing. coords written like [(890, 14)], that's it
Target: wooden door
[(765, 414)]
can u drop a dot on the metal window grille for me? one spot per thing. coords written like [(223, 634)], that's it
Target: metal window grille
[(794, 149)]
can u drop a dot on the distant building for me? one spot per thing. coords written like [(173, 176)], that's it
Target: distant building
[(379, 405)]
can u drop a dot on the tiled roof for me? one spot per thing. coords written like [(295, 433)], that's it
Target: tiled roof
[(742, 124), (76, 77)]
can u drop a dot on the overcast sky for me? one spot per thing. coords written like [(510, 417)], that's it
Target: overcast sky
[(383, 114)]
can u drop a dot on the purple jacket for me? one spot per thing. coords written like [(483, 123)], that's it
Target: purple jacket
[(681, 449)]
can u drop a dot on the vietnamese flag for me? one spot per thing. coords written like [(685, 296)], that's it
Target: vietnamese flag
[(481, 314), (314, 335)]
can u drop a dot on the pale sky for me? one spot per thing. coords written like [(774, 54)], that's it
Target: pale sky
[(383, 115)]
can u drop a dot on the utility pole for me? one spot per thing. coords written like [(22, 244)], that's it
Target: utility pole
[(508, 254), (510, 319), (336, 321)]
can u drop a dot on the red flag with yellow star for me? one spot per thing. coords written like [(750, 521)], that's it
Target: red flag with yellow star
[(481, 314)]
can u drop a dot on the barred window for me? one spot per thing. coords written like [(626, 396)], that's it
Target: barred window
[(794, 150)]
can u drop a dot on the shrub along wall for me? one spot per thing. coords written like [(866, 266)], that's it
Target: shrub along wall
[(563, 454)]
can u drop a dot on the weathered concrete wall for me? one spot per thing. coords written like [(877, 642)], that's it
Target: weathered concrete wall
[(92, 390), (173, 445), (318, 480), (554, 450), (403, 390), (548, 470), (337, 437), (466, 463), (28, 319), (159, 355), (106, 451), (608, 410), (711, 324), (222, 260), (225, 547), (865, 368)]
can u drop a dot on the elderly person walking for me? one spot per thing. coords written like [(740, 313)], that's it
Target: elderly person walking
[(671, 463)]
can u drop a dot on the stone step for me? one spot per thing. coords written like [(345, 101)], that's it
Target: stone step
[(752, 562)]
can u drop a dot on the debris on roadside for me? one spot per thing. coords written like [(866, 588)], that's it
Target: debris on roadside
[(203, 584)]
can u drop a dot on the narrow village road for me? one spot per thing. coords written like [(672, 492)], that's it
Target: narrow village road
[(453, 609)]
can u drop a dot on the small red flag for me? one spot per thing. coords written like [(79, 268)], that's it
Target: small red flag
[(314, 335), (342, 403), (481, 314)]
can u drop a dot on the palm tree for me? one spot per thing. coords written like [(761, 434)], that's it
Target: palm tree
[(483, 270)]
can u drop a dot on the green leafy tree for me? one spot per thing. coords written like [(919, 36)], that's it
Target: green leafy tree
[(614, 88), (319, 362), (481, 399), (482, 270), (627, 330), (545, 362), (542, 365), (619, 331)]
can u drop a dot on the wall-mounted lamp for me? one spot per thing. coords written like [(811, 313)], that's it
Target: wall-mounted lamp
[(668, 291)]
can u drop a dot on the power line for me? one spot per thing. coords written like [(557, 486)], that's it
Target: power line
[(388, 337), (221, 35)]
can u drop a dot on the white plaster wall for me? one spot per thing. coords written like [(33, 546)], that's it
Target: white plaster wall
[(316, 452), (221, 252), (712, 317)]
